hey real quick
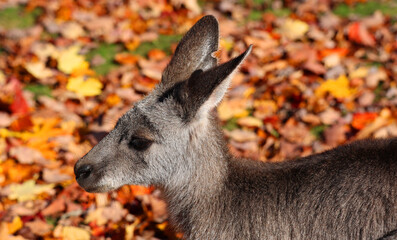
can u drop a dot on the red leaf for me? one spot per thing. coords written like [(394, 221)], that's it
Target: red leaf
[(359, 34), (19, 105), (360, 120)]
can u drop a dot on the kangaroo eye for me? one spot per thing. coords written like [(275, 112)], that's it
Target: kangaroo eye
[(140, 144)]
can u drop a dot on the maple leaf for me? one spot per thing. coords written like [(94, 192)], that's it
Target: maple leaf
[(294, 29), (84, 87), (28, 190), (75, 233), (69, 59), (339, 88), (360, 120), (38, 70), (19, 105), (15, 225)]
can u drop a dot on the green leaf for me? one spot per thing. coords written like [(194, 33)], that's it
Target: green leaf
[(39, 90), (275, 133), (379, 92), (282, 12), (255, 15), (231, 124), (163, 42), (18, 17), (367, 8), (318, 131), (51, 220), (107, 51)]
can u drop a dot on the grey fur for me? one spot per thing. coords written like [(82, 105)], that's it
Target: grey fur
[(349, 192)]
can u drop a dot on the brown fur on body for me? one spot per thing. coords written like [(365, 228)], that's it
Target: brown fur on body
[(171, 140)]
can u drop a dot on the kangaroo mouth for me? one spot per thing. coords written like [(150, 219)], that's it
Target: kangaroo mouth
[(93, 185)]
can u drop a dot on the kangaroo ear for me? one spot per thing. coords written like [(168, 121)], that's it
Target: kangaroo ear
[(194, 52), (205, 89)]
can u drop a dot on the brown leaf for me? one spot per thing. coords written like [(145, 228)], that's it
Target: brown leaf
[(336, 134), (39, 227), (55, 207)]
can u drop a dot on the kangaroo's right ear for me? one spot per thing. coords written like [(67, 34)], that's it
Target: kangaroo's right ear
[(194, 52)]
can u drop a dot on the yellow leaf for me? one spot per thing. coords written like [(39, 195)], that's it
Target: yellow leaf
[(233, 108), (38, 70), (75, 233), (2, 77), (226, 44), (294, 29), (360, 72), (15, 225), (68, 59), (84, 87), (339, 88), (27, 190)]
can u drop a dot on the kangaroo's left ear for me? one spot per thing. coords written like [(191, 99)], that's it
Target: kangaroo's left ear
[(205, 89)]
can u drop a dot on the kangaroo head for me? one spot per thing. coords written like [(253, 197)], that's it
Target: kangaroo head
[(153, 141)]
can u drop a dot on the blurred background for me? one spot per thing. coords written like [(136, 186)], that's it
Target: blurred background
[(321, 73)]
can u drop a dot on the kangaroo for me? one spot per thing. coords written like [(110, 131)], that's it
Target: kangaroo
[(171, 140)]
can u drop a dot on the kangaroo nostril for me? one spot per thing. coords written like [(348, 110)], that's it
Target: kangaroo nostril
[(83, 171)]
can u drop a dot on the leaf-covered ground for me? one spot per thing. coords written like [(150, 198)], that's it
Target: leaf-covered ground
[(321, 73)]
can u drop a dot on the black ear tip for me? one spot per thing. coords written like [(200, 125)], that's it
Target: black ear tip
[(208, 23), (208, 19), (248, 51)]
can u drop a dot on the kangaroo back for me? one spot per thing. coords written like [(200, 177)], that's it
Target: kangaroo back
[(171, 140)]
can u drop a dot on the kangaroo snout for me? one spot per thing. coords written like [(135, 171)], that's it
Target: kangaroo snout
[(82, 172)]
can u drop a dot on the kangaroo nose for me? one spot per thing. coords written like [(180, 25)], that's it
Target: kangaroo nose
[(83, 171)]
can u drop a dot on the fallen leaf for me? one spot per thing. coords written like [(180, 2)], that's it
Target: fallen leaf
[(339, 88), (335, 134), (69, 59), (27, 190), (19, 105), (74, 233), (39, 227), (54, 176), (15, 225), (249, 122), (39, 70), (58, 205), (84, 87), (330, 116), (233, 108), (264, 108), (294, 29), (5, 120), (242, 135), (2, 77), (26, 155), (358, 33), (360, 120), (72, 30)]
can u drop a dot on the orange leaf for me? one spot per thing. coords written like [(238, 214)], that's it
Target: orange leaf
[(156, 54), (126, 58), (338, 51), (360, 120), (140, 190)]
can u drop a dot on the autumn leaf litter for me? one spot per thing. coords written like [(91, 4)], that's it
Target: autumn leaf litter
[(320, 74)]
